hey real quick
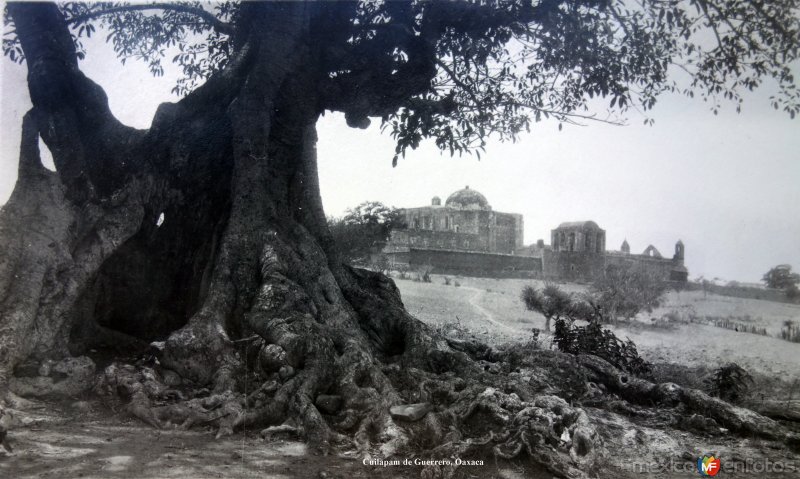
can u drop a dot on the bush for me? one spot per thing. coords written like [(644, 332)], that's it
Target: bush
[(593, 339), (793, 292), (446, 281), (381, 264), (425, 273), (453, 328), (730, 382), (456, 284), (402, 271)]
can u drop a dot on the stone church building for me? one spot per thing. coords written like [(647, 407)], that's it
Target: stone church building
[(465, 236)]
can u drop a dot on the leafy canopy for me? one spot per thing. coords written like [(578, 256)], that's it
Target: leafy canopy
[(364, 229), (781, 277), (624, 292), (460, 72)]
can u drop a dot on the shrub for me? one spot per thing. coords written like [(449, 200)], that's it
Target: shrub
[(730, 382), (456, 284), (425, 273), (453, 328), (593, 339), (447, 281), (793, 292), (402, 271), (381, 264)]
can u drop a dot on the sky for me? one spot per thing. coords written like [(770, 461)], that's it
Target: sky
[(728, 185)]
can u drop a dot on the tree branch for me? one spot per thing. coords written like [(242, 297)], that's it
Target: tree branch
[(569, 117), (460, 83), (73, 116), (208, 17)]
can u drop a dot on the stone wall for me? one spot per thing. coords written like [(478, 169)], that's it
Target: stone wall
[(438, 240), (660, 267), (470, 263), (574, 266), (581, 266)]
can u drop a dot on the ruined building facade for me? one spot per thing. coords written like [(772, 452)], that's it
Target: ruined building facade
[(465, 236)]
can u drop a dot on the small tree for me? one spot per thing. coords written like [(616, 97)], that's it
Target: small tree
[(363, 229), (625, 292), (782, 277), (551, 302)]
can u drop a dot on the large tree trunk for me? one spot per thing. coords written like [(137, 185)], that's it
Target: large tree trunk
[(240, 280), (243, 251)]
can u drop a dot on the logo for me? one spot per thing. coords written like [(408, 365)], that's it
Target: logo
[(708, 466)]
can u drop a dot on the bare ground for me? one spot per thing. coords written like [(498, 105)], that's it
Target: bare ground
[(63, 443), (87, 440)]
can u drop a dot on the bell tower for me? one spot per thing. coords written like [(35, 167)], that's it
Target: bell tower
[(679, 251)]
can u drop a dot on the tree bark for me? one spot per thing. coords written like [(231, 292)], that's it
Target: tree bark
[(57, 229)]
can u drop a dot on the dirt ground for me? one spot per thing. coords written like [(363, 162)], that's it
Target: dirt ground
[(95, 443)]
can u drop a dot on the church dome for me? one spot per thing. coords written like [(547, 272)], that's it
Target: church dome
[(468, 199)]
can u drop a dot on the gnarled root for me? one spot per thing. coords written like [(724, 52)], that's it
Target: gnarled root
[(332, 356), (640, 391)]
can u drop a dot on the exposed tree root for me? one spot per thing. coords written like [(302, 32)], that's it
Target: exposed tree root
[(356, 345), (639, 391)]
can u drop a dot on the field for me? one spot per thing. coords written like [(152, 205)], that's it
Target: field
[(491, 310)]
